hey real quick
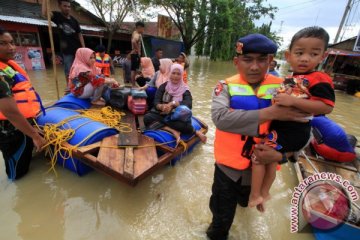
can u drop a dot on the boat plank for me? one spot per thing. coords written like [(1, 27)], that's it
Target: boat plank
[(345, 171), (89, 148), (129, 138), (129, 163), (140, 119), (145, 156), (110, 155), (348, 166)]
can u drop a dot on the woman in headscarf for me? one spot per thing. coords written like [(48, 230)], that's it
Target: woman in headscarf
[(85, 80), (183, 61), (147, 71), (172, 104), (160, 76)]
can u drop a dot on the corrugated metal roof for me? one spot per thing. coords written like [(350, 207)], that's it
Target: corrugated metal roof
[(42, 22), (33, 21), (92, 28), (20, 8)]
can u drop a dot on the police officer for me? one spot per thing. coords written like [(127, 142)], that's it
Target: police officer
[(241, 110), (18, 102)]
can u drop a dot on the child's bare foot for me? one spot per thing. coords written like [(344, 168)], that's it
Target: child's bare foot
[(266, 196), (202, 137), (255, 200), (260, 207)]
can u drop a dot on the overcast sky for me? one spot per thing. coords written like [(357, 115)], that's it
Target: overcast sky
[(297, 14)]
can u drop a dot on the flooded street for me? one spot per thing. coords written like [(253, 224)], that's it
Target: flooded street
[(170, 204)]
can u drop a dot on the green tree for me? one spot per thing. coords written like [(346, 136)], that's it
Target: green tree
[(210, 28), (188, 16), (199, 47), (265, 29), (221, 39), (231, 19)]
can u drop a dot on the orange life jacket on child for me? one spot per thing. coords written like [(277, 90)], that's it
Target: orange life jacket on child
[(103, 64)]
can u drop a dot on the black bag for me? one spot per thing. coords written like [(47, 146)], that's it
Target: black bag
[(119, 97)]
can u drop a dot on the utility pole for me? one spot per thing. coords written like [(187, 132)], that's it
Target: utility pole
[(281, 25), (347, 9)]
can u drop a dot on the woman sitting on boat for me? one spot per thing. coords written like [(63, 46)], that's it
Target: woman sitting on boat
[(85, 80), (147, 71), (172, 104), (160, 76)]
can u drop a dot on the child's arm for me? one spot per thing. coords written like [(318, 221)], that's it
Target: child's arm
[(315, 107)]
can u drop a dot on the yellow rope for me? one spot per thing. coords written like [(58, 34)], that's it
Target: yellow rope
[(109, 117), (56, 136)]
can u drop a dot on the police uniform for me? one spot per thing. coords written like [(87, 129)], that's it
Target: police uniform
[(234, 127), (15, 146)]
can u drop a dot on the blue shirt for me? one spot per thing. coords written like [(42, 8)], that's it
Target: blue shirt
[(274, 72)]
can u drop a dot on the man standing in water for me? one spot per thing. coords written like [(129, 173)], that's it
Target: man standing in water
[(18, 104), (69, 32), (135, 54), (272, 70), (238, 117)]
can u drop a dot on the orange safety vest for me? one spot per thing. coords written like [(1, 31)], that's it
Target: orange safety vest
[(103, 64), (27, 100), (229, 147)]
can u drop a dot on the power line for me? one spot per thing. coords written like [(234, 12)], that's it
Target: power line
[(296, 4), (349, 24), (295, 10)]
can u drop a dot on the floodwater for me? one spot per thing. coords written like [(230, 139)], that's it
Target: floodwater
[(170, 204)]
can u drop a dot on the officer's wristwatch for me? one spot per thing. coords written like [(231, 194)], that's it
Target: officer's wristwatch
[(284, 159), (173, 103)]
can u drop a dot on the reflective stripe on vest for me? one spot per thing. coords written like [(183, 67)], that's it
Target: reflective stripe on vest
[(103, 64), (229, 147), (26, 98)]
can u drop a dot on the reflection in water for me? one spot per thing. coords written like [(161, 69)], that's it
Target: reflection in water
[(171, 204)]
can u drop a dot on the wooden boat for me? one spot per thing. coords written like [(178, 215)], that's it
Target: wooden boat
[(126, 156), (350, 227), (133, 162)]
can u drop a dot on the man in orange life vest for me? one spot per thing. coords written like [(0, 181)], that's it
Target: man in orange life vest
[(104, 61), (241, 110), (18, 103)]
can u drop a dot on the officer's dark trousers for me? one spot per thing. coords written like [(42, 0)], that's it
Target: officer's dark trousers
[(17, 152), (226, 194)]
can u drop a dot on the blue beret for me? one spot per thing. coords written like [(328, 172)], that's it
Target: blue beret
[(255, 43)]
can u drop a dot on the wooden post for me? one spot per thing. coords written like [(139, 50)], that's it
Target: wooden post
[(52, 47)]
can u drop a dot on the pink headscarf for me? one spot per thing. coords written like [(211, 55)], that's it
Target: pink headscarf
[(81, 63), (164, 71), (177, 90), (147, 68)]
